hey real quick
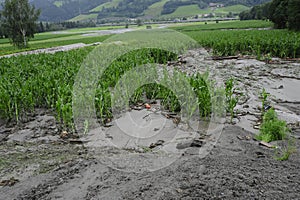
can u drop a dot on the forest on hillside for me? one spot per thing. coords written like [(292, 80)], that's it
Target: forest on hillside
[(126, 8)]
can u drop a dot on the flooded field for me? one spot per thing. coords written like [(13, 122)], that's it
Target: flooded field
[(162, 157)]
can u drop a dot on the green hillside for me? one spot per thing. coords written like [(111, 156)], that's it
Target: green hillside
[(73, 10), (155, 9), (84, 17), (193, 10), (233, 9), (58, 3), (185, 11), (110, 4)]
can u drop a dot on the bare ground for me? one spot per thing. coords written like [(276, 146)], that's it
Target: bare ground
[(38, 162)]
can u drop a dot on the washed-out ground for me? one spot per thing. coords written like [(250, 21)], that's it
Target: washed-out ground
[(38, 161)]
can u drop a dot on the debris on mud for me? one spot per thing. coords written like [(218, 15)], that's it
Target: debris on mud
[(47, 162), (9, 182)]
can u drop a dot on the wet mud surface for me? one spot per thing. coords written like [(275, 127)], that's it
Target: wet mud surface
[(39, 161)]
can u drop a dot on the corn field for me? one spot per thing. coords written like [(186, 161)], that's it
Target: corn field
[(46, 81), (277, 43)]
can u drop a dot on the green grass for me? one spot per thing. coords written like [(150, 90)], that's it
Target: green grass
[(90, 29), (58, 38), (286, 150), (234, 9), (192, 10), (58, 3), (42, 36), (224, 25), (84, 17), (53, 42), (155, 9), (110, 4), (184, 11)]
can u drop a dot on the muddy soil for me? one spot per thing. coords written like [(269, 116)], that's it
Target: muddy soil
[(39, 161)]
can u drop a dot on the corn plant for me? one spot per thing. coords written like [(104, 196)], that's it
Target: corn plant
[(230, 97), (264, 96), (200, 85)]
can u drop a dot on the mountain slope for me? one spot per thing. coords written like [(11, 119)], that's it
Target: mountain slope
[(61, 10), (155, 9), (53, 10)]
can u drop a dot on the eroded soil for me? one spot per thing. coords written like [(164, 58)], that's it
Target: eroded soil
[(39, 161)]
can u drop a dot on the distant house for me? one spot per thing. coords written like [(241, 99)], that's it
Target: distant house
[(216, 5)]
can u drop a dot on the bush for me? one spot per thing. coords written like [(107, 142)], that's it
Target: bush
[(272, 128)]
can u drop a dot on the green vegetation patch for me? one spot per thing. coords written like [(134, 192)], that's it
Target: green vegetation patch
[(43, 80), (233, 9), (184, 11), (58, 3), (155, 9), (272, 128), (53, 42), (84, 17), (226, 25), (279, 43), (46, 81), (110, 4)]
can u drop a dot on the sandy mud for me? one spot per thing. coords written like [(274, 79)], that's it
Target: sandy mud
[(160, 157)]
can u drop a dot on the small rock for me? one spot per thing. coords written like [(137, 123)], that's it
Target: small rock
[(246, 106), (190, 143), (108, 136), (260, 154), (183, 145), (197, 143), (158, 143), (280, 87), (137, 108), (179, 190)]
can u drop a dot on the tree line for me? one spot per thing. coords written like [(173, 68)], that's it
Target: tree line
[(58, 26), (283, 13)]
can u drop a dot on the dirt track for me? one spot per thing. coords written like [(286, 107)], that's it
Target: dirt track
[(45, 166)]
